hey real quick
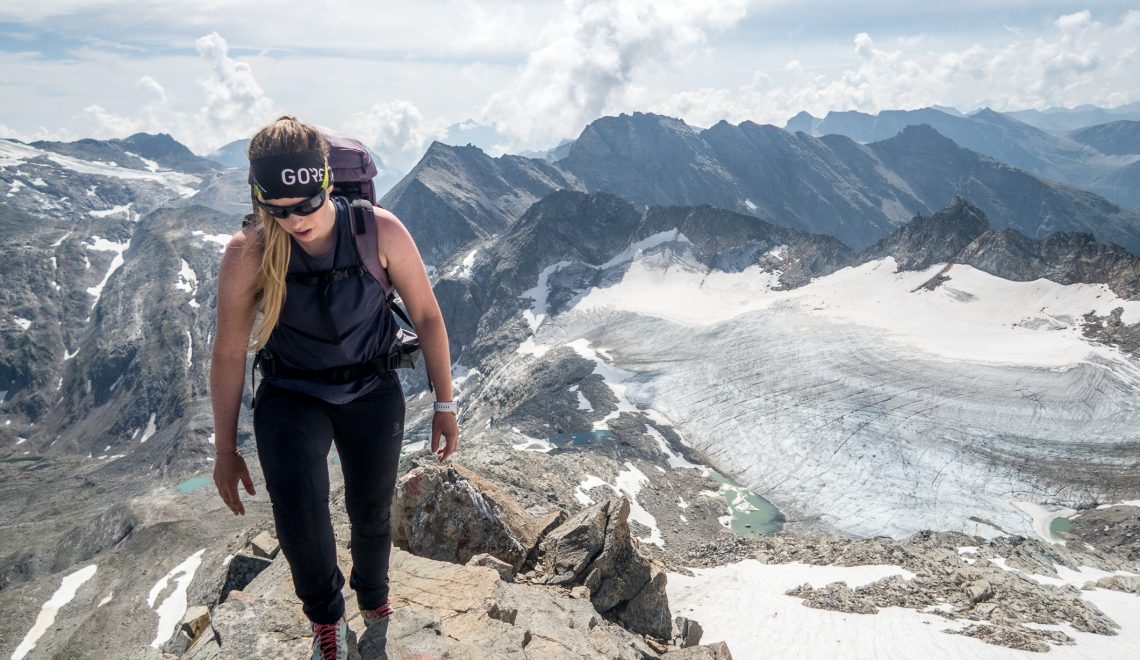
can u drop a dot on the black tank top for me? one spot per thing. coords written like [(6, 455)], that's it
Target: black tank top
[(331, 323)]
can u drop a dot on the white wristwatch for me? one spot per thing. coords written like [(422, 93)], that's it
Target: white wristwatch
[(447, 406)]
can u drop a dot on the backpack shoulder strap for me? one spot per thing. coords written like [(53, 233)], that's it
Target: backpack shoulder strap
[(366, 233)]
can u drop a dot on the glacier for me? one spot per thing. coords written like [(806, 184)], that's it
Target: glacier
[(863, 401)]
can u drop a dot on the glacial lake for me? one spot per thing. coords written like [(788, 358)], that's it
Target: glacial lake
[(194, 483), (752, 515), (571, 440), (1058, 525)]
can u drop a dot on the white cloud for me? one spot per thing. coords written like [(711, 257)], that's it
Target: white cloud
[(1072, 22), (590, 57), (151, 85), (235, 103), (396, 131), (1083, 61)]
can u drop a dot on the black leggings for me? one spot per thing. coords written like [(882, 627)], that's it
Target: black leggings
[(294, 432)]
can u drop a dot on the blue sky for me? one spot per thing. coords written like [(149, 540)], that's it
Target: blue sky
[(211, 71)]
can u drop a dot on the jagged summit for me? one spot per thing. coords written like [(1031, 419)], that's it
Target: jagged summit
[(937, 238)]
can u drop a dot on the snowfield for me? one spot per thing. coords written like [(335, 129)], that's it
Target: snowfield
[(745, 605), (862, 399)]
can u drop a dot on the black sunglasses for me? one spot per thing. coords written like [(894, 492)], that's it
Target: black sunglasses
[(307, 207)]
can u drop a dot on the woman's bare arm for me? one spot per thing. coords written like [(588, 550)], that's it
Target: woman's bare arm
[(401, 258), (235, 315)]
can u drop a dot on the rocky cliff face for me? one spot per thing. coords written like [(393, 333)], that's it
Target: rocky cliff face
[(456, 195)]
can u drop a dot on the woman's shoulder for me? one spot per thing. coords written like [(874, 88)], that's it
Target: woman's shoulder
[(245, 246)]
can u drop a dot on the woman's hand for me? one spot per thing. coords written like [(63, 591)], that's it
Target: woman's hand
[(229, 469), (444, 424)]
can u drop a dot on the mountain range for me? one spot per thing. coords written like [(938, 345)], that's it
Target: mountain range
[(830, 185)]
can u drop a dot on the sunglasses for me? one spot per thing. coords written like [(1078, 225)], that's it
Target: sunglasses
[(307, 207)]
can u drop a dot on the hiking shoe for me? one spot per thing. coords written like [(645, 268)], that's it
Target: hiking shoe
[(372, 617), (330, 640)]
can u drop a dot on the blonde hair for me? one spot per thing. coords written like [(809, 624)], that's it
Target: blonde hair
[(286, 135)]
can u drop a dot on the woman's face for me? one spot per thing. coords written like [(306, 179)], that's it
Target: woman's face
[(314, 231)]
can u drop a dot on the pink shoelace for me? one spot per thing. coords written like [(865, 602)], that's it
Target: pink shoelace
[(326, 639)]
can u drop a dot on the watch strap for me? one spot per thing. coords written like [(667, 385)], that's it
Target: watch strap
[(447, 406)]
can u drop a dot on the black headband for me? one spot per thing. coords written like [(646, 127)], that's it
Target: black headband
[(289, 175)]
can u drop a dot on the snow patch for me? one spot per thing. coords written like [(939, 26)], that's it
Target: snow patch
[(106, 599), (150, 429), (103, 245), (532, 444), (221, 239), (464, 270), (581, 491), (187, 280), (124, 209), (189, 349), (23, 323), (539, 293), (1124, 503), (173, 606), (178, 182), (748, 203), (675, 460), (629, 483), (46, 618)]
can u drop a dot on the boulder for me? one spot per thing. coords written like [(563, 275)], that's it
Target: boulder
[(1126, 583), (718, 651), (686, 632), (264, 545), (196, 619), (594, 548), (449, 513), (501, 567)]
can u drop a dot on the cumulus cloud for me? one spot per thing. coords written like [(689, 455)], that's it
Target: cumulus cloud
[(235, 103), (1082, 61), (589, 59), (397, 131)]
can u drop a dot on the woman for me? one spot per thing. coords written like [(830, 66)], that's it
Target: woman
[(319, 338)]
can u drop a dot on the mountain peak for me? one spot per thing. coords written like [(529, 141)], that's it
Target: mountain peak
[(932, 239)]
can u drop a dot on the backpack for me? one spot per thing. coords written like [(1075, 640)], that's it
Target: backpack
[(352, 171)]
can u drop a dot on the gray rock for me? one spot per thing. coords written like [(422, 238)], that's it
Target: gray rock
[(686, 632), (451, 514), (595, 548), (979, 591), (501, 567), (718, 651), (264, 545), (569, 549), (1127, 583), (196, 619)]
